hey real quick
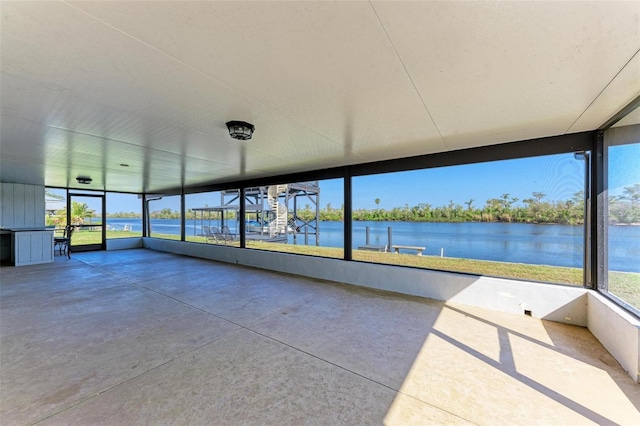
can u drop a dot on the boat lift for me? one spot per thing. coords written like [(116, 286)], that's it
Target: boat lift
[(271, 212)]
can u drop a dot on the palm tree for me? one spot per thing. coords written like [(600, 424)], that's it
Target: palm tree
[(78, 212), (539, 196), (632, 193)]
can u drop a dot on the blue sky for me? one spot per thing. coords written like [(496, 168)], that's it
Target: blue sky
[(626, 171), (557, 176)]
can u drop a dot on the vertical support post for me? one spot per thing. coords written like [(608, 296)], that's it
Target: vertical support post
[(145, 216), (389, 237), (348, 215), (68, 209), (366, 233), (306, 235), (104, 222), (599, 214), (586, 216), (318, 218), (293, 221), (183, 217), (587, 220), (241, 219)]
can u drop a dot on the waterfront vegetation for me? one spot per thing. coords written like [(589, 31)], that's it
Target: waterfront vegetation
[(535, 209), (623, 209), (503, 209)]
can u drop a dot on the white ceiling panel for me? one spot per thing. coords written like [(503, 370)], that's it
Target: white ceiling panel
[(624, 88), (87, 86), (493, 72), (631, 119), (327, 66)]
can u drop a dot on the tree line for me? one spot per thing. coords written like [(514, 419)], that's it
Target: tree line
[(623, 209), (503, 209)]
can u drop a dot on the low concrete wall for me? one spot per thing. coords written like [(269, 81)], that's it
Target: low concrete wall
[(552, 302), (617, 330), (124, 243)]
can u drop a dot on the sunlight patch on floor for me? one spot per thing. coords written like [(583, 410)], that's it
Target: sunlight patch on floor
[(494, 368)]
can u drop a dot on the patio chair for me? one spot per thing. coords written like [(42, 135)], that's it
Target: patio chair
[(206, 232), (64, 243), (212, 234), (217, 235), (228, 236)]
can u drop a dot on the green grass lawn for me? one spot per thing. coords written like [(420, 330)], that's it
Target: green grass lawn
[(623, 284), (480, 267)]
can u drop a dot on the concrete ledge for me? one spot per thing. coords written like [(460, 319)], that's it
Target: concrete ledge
[(617, 330), (124, 243), (565, 304)]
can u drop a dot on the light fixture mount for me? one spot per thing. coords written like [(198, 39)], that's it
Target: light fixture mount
[(85, 180), (240, 130)]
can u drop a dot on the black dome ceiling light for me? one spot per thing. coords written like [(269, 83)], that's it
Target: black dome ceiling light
[(240, 130), (85, 180)]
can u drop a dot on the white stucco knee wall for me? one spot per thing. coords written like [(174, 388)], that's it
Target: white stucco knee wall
[(617, 330), (553, 302)]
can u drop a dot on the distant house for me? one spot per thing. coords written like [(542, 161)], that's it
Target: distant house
[(53, 205)]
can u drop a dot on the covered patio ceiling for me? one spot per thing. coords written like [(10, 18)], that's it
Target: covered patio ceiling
[(136, 94)]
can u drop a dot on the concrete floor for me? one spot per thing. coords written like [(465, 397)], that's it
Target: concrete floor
[(142, 337)]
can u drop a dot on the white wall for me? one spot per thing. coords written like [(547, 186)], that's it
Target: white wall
[(22, 205), (124, 243), (565, 304), (617, 330)]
